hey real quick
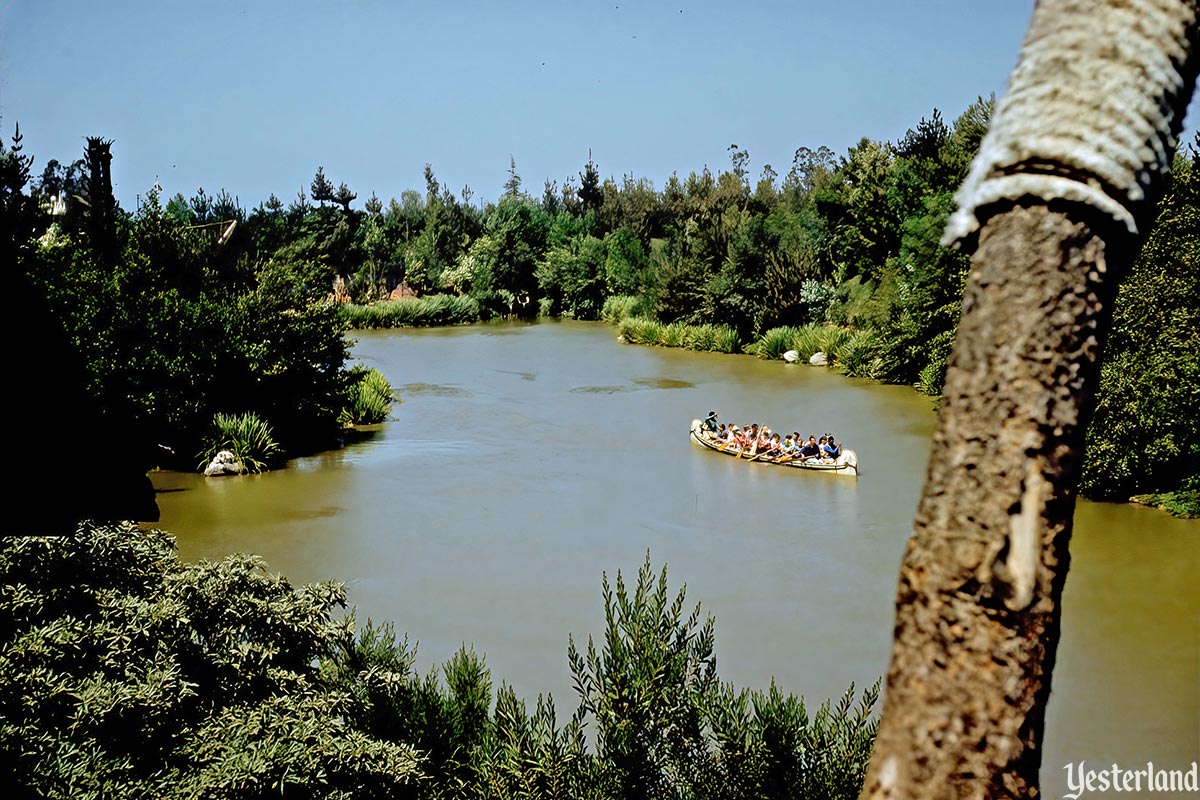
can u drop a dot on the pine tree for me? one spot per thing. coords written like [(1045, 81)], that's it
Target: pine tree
[(512, 186), (589, 189), (322, 189)]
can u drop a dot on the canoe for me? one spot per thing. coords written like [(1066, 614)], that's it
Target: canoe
[(846, 463)]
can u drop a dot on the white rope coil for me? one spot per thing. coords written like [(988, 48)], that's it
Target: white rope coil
[(1092, 113)]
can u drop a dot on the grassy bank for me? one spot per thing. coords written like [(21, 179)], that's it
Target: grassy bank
[(412, 312), (712, 338)]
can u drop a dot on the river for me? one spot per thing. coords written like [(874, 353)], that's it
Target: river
[(526, 460)]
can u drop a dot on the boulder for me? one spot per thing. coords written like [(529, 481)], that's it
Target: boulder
[(791, 356), (819, 360), (223, 463)]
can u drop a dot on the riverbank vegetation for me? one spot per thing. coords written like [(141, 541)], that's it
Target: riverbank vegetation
[(125, 672), (196, 306)]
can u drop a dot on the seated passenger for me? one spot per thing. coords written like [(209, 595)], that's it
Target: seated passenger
[(831, 450), (710, 422), (810, 449)]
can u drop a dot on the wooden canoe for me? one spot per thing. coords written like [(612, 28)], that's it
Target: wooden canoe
[(845, 464)]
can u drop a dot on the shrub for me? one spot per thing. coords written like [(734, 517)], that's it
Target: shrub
[(246, 436), (859, 356), (714, 338), (773, 344), (369, 398), (435, 309), (623, 306), (933, 375), (127, 673), (805, 340)]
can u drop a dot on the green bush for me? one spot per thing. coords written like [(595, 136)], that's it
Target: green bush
[(860, 356), (805, 340), (714, 338), (665, 726), (369, 398), (125, 672), (246, 436), (933, 375), (436, 309), (622, 306)]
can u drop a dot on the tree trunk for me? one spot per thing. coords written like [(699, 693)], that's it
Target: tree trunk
[(1064, 183)]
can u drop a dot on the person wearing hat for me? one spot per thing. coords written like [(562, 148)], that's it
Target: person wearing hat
[(710, 422)]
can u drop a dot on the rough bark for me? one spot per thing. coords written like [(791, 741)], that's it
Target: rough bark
[(978, 604), (1062, 189)]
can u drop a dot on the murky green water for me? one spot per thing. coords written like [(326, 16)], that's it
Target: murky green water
[(527, 460)]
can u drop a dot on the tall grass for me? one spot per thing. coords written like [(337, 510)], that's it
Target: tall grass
[(412, 312), (249, 438), (862, 356), (711, 338), (369, 399), (805, 340)]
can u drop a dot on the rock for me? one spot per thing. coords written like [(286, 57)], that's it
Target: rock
[(791, 356), (223, 463), (819, 360)]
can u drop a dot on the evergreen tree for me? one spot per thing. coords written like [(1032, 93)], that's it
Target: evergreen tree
[(590, 196), (512, 186), (322, 189)]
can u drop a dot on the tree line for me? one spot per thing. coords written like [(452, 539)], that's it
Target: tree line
[(844, 243)]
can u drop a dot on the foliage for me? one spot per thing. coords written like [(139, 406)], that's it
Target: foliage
[(715, 338), (619, 307), (370, 397), (665, 725), (805, 340), (127, 673), (436, 309), (1182, 502), (246, 436), (1146, 434), (646, 688), (859, 356)]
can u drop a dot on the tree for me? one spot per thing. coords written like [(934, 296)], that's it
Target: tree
[(551, 202), (589, 192), (321, 187), (1148, 438), (102, 206), (512, 186), (978, 604), (344, 197), (739, 159)]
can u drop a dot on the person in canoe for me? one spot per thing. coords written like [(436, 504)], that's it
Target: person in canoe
[(829, 449), (710, 424), (810, 449)]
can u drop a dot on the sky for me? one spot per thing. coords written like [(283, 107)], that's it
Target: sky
[(253, 96)]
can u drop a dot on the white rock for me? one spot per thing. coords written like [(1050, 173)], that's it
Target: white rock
[(819, 360), (791, 356), (223, 463)]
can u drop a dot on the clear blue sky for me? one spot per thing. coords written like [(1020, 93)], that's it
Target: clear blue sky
[(252, 96)]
